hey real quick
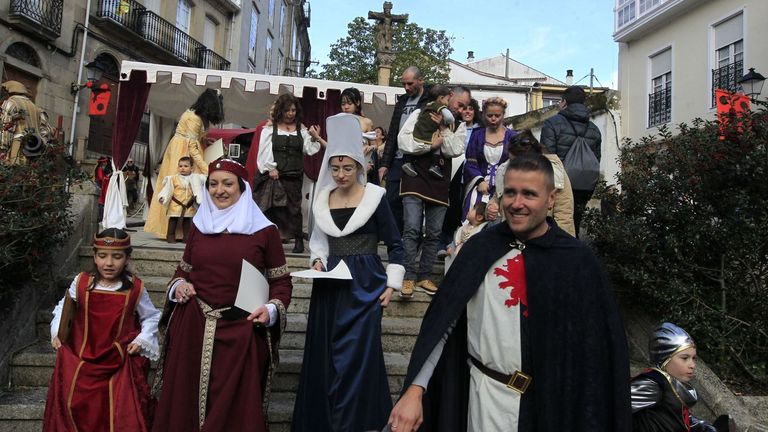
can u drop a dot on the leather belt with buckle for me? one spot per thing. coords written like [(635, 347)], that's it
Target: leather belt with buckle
[(518, 381)]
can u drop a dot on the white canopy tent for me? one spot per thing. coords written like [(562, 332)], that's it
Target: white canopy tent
[(247, 99)]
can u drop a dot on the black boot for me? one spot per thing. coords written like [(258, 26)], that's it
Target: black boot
[(299, 246)]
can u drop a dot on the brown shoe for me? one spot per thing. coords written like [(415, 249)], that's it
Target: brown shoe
[(428, 286), (407, 290)]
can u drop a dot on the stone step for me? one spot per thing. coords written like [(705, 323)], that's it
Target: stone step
[(22, 409)]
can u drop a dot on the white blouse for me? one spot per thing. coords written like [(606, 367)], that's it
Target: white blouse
[(149, 316), (265, 157)]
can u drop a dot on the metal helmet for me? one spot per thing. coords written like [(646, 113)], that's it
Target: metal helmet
[(666, 341)]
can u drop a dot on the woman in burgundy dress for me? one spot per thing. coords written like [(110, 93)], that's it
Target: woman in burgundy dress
[(216, 364)]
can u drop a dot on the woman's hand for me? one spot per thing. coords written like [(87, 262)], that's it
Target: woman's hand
[(314, 132), (367, 149), (385, 297), (184, 292), (274, 175), (260, 316), (133, 348), (483, 188), (56, 343)]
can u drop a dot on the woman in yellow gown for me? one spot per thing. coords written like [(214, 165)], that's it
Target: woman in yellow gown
[(187, 141)]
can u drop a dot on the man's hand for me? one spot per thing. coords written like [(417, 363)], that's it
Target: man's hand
[(436, 143), (492, 211), (437, 118), (483, 188), (56, 343), (274, 175), (408, 413), (318, 265)]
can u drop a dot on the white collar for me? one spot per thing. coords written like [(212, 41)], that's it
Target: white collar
[(243, 217), (372, 195)]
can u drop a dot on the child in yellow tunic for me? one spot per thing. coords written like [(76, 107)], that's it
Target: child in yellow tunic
[(180, 196)]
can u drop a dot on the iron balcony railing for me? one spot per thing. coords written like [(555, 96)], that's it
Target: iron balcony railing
[(660, 107), (727, 77), (129, 14), (45, 13), (153, 28)]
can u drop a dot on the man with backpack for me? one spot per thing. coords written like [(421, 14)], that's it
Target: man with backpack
[(576, 141)]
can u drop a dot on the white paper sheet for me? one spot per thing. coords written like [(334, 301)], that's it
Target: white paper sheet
[(341, 271), (214, 151), (253, 290)]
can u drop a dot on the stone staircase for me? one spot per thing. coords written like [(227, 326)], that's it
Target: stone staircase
[(22, 407)]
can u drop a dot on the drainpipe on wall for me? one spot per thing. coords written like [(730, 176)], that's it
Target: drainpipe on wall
[(70, 148)]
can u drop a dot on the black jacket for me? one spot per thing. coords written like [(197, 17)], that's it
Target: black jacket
[(558, 136), (577, 350), (390, 147)]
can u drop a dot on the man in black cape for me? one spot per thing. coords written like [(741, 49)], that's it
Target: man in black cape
[(562, 322)]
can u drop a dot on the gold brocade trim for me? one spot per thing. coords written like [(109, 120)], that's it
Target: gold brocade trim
[(211, 316), (276, 272), (274, 357), (185, 266)]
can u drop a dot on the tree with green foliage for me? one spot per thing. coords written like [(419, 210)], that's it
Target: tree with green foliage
[(686, 236), (34, 215), (353, 58)]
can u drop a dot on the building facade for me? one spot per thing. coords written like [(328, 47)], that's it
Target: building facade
[(673, 54), (45, 45)]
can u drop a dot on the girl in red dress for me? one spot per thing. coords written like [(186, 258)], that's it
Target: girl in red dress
[(104, 332)]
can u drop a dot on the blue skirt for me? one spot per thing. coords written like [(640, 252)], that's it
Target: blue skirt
[(343, 384)]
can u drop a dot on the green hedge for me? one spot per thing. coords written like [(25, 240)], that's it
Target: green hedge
[(686, 239)]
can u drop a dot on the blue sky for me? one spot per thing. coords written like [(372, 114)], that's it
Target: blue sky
[(548, 35)]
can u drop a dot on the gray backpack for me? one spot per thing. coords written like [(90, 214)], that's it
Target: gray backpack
[(581, 164)]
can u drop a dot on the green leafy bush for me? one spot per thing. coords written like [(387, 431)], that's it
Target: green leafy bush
[(34, 215), (686, 238)]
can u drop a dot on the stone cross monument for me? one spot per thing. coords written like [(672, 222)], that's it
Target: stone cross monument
[(384, 55)]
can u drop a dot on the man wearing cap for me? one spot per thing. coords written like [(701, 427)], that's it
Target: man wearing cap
[(24, 127), (523, 334), (560, 132)]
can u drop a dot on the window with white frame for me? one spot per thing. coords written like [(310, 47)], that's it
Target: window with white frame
[(282, 21), (271, 11), (209, 32), (268, 56), (183, 14), (728, 55), (625, 13), (252, 34), (660, 98), (646, 5)]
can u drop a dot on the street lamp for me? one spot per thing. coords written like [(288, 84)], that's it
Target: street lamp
[(752, 84), (93, 70)]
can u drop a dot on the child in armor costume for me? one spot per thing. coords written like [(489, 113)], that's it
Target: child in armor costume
[(425, 128), (181, 195), (661, 395)]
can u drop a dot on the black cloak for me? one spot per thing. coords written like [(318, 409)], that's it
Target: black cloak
[(575, 346)]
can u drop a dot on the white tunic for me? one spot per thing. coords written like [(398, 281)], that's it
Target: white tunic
[(493, 337)]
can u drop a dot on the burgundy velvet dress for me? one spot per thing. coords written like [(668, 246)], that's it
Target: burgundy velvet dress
[(96, 386), (231, 354)]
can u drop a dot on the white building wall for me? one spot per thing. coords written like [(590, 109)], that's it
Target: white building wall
[(691, 37)]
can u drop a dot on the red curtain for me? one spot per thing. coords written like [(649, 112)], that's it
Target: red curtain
[(315, 112), (132, 99)]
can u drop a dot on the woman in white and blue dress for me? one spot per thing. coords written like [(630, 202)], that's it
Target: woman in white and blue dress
[(343, 384)]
